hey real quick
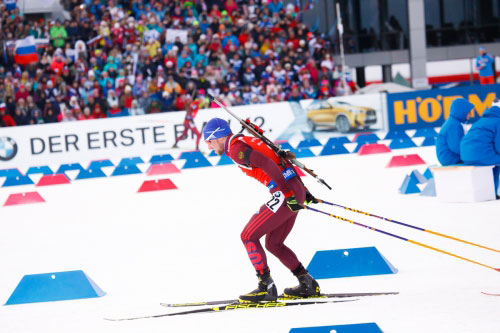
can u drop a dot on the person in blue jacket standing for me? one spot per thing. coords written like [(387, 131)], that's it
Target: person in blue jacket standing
[(481, 145), (452, 132)]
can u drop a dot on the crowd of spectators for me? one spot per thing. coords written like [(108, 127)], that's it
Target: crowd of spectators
[(133, 57)]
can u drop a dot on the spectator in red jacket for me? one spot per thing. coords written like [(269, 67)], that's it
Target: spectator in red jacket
[(22, 93), (6, 119), (98, 113), (57, 63)]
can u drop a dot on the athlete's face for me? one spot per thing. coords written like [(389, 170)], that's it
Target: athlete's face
[(217, 145)]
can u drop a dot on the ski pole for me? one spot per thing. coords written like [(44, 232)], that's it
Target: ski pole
[(399, 237), (406, 225), (258, 133)]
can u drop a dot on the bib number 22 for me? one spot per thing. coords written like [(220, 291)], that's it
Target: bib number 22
[(276, 201)]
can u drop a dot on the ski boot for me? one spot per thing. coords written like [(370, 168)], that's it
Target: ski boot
[(308, 287), (265, 292)]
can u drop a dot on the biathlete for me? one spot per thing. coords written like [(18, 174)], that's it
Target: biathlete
[(275, 219), (191, 112)]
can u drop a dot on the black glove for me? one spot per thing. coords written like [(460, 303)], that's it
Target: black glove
[(292, 203), (310, 198), (282, 153)]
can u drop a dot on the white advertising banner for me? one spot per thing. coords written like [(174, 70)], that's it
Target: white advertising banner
[(113, 138)]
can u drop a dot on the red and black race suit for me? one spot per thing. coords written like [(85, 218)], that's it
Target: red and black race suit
[(274, 219)]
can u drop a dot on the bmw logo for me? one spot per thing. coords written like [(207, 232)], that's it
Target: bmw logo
[(8, 148)]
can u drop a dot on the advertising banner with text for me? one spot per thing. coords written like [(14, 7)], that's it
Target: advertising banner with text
[(430, 108), (89, 140)]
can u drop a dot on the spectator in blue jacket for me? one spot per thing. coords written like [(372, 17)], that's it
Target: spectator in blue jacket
[(452, 132), (275, 6), (481, 145)]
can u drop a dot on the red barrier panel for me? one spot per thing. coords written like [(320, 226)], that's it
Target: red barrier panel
[(23, 198), (157, 185), (162, 169), (373, 148), (405, 160), (58, 178)]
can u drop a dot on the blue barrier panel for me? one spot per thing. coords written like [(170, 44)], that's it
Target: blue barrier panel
[(17, 180), (421, 179), (430, 188), (303, 152), (349, 262), (194, 159), (58, 286), (69, 167), (14, 177), (212, 153), (425, 132), (350, 328), (333, 149), (309, 143), (430, 108), (337, 140), (402, 143), (157, 159), (45, 170), (429, 141), (128, 166), (100, 164), (428, 173), (409, 185), (396, 135), (91, 173), (367, 138), (131, 160), (126, 169), (10, 172), (285, 145)]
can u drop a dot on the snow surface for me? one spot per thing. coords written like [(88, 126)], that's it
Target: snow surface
[(184, 245)]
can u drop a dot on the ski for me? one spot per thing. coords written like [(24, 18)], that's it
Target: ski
[(490, 294), (236, 306), (281, 298)]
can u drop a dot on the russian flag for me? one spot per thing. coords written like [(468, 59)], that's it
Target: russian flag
[(25, 52)]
